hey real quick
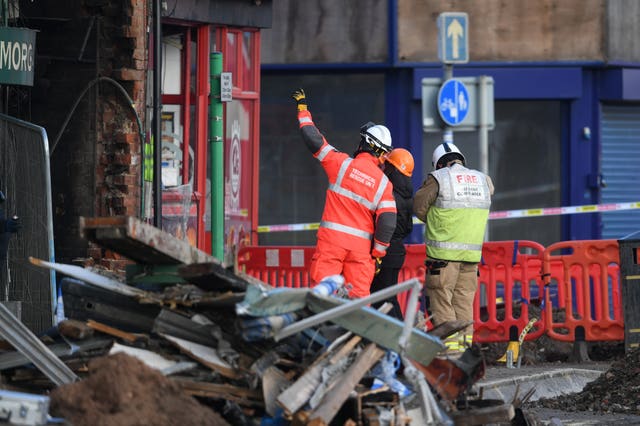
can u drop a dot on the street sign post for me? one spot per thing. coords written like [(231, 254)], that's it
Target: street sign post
[(453, 38), (432, 121), (453, 102)]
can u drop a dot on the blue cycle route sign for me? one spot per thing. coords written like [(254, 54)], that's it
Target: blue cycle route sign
[(453, 102)]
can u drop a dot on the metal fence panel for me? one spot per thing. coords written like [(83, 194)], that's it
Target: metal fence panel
[(25, 180)]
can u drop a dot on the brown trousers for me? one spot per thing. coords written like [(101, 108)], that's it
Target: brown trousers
[(451, 291)]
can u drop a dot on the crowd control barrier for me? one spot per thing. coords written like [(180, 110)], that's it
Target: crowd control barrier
[(576, 285), (278, 266), (413, 267), (510, 279), (582, 286)]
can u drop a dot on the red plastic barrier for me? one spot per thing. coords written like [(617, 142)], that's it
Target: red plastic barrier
[(278, 266), (510, 278), (582, 280), (413, 267)]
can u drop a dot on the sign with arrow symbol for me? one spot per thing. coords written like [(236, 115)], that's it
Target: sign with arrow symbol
[(453, 39)]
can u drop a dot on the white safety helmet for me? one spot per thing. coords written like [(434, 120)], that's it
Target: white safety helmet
[(377, 137), (444, 149)]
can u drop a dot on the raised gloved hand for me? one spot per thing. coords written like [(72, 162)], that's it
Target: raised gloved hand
[(300, 99)]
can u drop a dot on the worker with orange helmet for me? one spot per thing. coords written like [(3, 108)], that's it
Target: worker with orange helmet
[(398, 167), (359, 213), (454, 204)]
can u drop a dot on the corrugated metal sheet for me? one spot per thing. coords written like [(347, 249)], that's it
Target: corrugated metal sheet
[(620, 163)]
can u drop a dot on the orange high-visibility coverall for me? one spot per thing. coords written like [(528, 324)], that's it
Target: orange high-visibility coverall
[(359, 213)]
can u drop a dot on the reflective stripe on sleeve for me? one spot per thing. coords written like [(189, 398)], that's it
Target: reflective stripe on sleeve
[(386, 204), (346, 229), (380, 247), (324, 151), (380, 192)]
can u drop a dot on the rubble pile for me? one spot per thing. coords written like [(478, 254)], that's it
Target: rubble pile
[(185, 340), (616, 391)]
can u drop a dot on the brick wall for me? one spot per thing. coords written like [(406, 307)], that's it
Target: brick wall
[(88, 53), (123, 59)]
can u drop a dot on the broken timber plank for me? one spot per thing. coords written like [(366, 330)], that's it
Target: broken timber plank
[(103, 328), (242, 396), (213, 276), (93, 278), (140, 242), (205, 355), (296, 395), (333, 400)]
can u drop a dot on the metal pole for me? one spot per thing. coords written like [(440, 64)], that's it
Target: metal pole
[(483, 131), (216, 151), (447, 132), (157, 119), (344, 309)]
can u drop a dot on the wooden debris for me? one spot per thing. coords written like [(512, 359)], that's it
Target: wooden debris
[(339, 394), (103, 328), (243, 396), (74, 329), (380, 329), (205, 355), (140, 242), (311, 382)]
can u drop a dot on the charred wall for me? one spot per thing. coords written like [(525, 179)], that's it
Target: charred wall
[(89, 54)]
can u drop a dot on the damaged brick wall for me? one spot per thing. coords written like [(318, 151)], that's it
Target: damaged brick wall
[(123, 57), (88, 53), (118, 136)]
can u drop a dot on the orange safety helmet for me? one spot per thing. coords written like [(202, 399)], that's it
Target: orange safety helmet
[(402, 160)]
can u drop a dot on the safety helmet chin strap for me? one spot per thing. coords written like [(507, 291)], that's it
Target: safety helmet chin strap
[(364, 147)]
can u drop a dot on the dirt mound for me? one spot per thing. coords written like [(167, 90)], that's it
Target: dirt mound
[(120, 390), (616, 391)]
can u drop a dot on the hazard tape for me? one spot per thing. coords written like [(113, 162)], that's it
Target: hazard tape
[(554, 211), (504, 214)]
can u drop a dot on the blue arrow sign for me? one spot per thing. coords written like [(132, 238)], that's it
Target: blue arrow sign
[(453, 39), (453, 102)]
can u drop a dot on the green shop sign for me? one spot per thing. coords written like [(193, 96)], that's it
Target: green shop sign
[(17, 52)]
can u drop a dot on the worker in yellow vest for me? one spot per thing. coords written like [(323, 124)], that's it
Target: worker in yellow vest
[(454, 203)]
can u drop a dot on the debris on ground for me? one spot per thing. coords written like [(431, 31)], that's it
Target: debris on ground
[(192, 341), (617, 390), (121, 390), (179, 338)]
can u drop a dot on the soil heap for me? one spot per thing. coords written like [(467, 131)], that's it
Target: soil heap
[(121, 390), (616, 391)]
